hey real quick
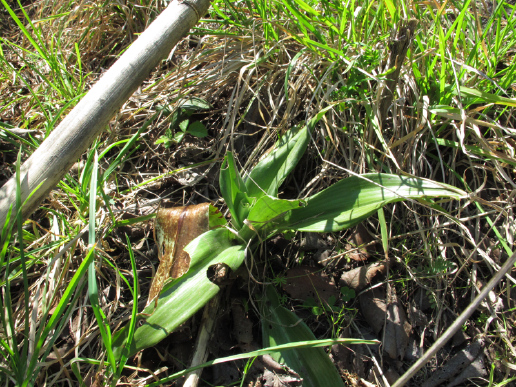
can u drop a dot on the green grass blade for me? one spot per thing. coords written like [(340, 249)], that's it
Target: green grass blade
[(59, 311), (134, 312), (487, 97), (93, 292), (266, 351), (25, 32)]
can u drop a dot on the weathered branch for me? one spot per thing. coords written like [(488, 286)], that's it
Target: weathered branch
[(54, 157)]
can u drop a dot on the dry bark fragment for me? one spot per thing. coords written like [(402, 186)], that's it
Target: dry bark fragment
[(389, 316)]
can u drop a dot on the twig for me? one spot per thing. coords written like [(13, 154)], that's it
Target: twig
[(201, 349)]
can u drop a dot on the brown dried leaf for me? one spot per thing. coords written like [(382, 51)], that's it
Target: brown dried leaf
[(175, 228), (304, 282), (466, 364), (397, 329), (361, 277), (374, 308), (242, 326), (360, 237)]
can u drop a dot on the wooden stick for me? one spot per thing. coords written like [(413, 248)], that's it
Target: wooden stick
[(63, 147)]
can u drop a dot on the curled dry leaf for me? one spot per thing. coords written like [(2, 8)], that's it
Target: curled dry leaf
[(304, 282), (360, 239), (389, 316), (175, 228), (466, 364), (361, 277), (397, 330)]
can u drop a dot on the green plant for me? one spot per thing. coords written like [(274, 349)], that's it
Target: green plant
[(347, 294), (24, 357), (257, 214), (180, 124)]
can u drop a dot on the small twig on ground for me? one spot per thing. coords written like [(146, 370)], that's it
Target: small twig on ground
[(201, 348)]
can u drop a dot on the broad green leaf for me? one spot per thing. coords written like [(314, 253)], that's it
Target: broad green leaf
[(265, 213), (197, 129), (195, 104), (174, 120), (281, 326), (267, 176), (178, 137), (233, 191), (351, 200), (183, 125), (267, 210), (183, 297)]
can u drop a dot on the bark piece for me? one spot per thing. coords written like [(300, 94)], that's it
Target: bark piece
[(397, 330), (359, 237), (389, 316), (398, 48)]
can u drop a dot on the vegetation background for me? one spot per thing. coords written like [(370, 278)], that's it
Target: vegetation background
[(259, 68)]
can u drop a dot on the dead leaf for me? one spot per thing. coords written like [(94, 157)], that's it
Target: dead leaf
[(389, 316), (374, 308), (359, 237), (361, 277), (271, 379), (397, 330), (175, 228), (242, 326), (466, 364), (304, 282)]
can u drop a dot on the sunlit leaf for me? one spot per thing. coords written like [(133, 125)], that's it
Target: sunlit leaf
[(267, 176), (281, 326), (233, 190), (183, 297), (197, 129), (265, 213), (351, 200), (195, 104)]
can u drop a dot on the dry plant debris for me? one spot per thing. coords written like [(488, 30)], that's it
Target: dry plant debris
[(263, 70)]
